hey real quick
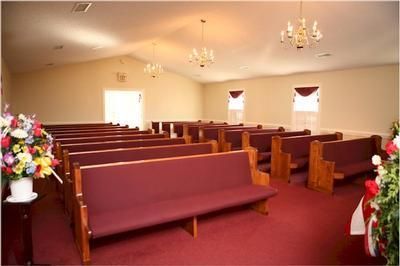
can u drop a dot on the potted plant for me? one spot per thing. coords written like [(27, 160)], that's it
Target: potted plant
[(25, 153)]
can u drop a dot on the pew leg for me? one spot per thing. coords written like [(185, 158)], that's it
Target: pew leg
[(260, 207), (191, 227)]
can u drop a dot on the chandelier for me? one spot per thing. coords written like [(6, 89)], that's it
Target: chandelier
[(301, 37), (153, 69), (205, 57)]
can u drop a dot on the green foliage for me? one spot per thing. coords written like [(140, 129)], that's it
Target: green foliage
[(387, 230)]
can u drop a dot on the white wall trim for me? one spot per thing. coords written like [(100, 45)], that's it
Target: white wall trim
[(356, 132)]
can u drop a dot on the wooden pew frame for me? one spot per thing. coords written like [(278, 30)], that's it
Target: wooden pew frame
[(321, 174), (281, 162), (224, 145), (82, 231)]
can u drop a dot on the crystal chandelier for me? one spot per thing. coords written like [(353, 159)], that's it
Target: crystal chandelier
[(153, 69), (300, 37), (205, 57)]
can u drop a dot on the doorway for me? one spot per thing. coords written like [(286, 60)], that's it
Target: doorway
[(124, 107)]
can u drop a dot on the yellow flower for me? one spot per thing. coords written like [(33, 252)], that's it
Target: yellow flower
[(25, 149), (16, 148), (19, 168), (39, 149), (21, 142), (45, 164)]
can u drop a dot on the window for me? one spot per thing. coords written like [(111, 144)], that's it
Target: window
[(236, 107), (124, 107), (306, 109)]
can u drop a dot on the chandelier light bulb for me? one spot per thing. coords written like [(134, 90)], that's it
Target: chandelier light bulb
[(204, 57), (153, 69), (300, 37)]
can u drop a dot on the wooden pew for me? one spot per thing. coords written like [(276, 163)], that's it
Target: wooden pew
[(79, 125), (182, 129), (336, 160), (90, 129), (195, 130), (105, 145), (293, 153), (262, 142), (101, 133), (207, 133), (111, 138), (147, 193), (231, 139), (167, 125), (124, 155), (155, 126)]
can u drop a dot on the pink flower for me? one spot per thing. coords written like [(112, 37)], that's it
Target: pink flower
[(8, 158), (54, 162), (31, 150), (390, 147), (37, 124)]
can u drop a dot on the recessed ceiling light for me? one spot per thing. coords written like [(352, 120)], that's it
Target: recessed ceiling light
[(244, 67), (81, 7), (323, 55), (58, 47), (97, 47)]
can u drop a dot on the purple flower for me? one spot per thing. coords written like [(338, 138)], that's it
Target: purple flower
[(30, 168), (29, 140), (8, 158)]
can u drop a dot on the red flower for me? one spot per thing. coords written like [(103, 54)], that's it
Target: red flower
[(5, 142), (37, 132), (7, 170), (31, 150), (37, 124), (14, 122), (54, 162), (390, 147), (371, 187)]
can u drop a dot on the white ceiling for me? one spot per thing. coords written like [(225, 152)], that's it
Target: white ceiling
[(241, 34)]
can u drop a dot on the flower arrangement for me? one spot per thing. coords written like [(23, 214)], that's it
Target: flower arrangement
[(385, 203), (25, 148)]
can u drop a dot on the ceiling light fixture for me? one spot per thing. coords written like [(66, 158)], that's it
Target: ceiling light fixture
[(153, 69), (205, 57), (299, 37), (81, 7)]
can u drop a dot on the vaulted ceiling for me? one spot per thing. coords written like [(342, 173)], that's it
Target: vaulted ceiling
[(244, 35)]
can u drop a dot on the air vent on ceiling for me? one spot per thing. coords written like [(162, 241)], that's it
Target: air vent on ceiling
[(81, 7), (323, 55)]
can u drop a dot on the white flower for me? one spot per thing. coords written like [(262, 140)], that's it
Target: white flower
[(4, 122), (21, 117), (381, 170), (24, 157), (376, 160), (378, 180), (396, 141), (19, 133), (375, 205)]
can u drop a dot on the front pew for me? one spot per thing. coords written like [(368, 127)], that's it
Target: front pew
[(145, 193), (293, 153), (336, 160), (123, 155)]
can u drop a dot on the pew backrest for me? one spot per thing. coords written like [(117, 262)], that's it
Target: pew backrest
[(110, 138), (101, 133), (263, 141)]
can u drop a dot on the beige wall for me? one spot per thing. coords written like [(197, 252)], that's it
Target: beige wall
[(356, 101), (74, 93), (5, 84)]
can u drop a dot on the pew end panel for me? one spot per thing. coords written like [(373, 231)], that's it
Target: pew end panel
[(187, 138), (277, 157), (245, 140), (214, 146), (315, 158), (81, 225), (326, 175), (166, 134)]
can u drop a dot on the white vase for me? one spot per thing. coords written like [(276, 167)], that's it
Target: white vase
[(21, 189)]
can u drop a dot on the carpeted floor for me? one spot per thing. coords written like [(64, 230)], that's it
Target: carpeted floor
[(303, 227)]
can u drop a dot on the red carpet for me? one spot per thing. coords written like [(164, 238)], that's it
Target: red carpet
[(303, 227)]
